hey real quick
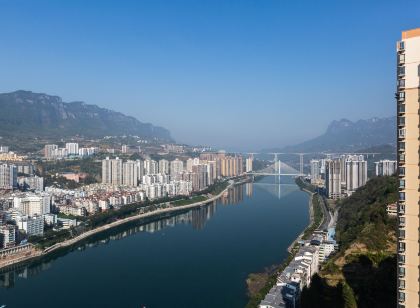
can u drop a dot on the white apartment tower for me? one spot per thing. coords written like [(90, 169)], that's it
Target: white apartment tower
[(315, 171), (130, 173), (385, 167), (8, 176), (163, 166), (356, 173), (72, 148)]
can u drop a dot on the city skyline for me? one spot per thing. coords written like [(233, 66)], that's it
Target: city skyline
[(196, 62)]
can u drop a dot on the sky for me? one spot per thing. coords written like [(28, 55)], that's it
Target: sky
[(239, 75)]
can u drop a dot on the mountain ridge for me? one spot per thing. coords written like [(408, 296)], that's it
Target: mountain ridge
[(349, 136), (43, 115)]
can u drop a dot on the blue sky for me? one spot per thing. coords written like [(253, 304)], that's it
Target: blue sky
[(241, 75)]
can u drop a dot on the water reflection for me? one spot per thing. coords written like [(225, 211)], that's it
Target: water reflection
[(197, 218)]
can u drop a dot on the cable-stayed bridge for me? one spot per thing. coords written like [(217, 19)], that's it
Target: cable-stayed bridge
[(279, 168)]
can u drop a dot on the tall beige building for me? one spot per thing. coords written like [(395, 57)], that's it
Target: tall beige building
[(408, 74)]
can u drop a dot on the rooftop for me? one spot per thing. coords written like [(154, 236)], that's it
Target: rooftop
[(410, 33)]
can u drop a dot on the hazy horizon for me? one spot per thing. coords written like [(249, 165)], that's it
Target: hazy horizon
[(239, 75)]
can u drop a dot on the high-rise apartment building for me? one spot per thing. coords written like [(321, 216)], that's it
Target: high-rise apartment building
[(385, 167), (355, 173), (163, 166), (72, 148), (177, 166), (408, 108), (8, 176), (112, 171), (49, 150), (248, 164), (315, 171), (333, 178), (130, 173)]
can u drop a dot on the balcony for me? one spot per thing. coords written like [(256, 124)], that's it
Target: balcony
[(401, 259), (401, 58), (401, 46), (401, 121), (401, 210), (401, 223), (401, 158), (401, 271), (401, 108), (400, 84), (401, 133), (401, 146), (401, 71)]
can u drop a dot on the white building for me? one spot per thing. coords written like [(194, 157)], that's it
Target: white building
[(31, 225), (385, 167), (7, 236), (248, 164), (356, 173), (163, 166), (8, 176), (72, 148), (33, 204), (130, 176), (315, 171), (49, 150), (177, 166)]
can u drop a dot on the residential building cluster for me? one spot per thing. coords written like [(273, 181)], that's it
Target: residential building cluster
[(340, 176), (298, 273), (71, 149), (170, 178)]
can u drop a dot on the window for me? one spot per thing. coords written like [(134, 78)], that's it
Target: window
[(401, 95), (401, 271), (402, 157), (402, 196), (401, 145), (401, 45), (402, 221), (402, 170), (401, 70), (401, 209), (401, 83), (401, 132), (402, 183), (401, 258), (401, 58), (401, 296), (401, 247), (401, 283), (401, 121), (401, 234)]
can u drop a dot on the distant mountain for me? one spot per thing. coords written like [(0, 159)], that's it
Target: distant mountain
[(347, 136), (24, 113)]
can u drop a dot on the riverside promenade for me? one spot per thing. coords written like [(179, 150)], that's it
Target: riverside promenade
[(35, 253)]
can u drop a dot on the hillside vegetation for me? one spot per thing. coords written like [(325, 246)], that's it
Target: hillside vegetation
[(363, 272)]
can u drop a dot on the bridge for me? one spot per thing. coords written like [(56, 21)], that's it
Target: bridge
[(280, 168)]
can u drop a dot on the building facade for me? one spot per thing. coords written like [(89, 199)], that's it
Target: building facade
[(407, 96), (385, 167)]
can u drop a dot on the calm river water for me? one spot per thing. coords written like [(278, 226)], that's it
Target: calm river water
[(200, 258)]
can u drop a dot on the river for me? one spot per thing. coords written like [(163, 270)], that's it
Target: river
[(200, 258)]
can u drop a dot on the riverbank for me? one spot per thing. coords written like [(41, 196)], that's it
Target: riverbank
[(258, 284), (34, 254)]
